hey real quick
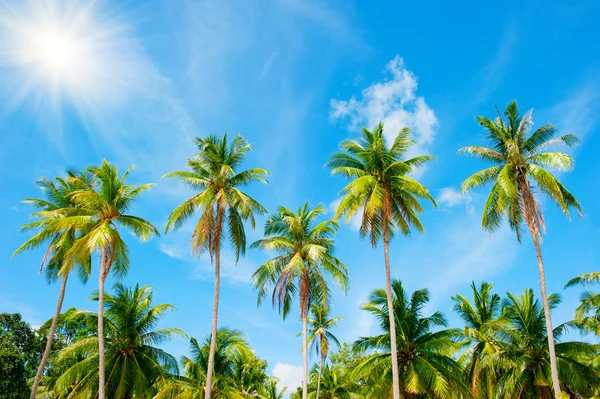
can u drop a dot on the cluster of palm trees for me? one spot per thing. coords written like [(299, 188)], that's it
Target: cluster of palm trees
[(83, 214)]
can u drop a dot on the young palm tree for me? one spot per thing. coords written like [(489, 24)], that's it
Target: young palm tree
[(271, 391), (523, 359), (231, 345), (587, 315), (133, 361), (221, 204), (381, 189), (481, 328), (425, 355), (336, 383), (104, 207), (519, 174), (305, 254), (57, 205), (320, 336)]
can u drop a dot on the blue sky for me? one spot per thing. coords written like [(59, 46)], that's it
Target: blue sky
[(295, 78)]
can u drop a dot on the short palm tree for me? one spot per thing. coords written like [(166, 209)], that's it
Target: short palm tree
[(134, 363), (271, 391), (519, 174), (425, 355), (58, 204), (104, 206), (320, 336), (388, 198), (304, 255), (481, 328), (231, 345), (223, 207), (587, 314), (523, 361), (336, 383)]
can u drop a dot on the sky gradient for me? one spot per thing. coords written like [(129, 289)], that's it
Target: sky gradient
[(295, 78)]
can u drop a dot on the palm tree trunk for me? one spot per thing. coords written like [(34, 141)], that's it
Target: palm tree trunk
[(50, 339), (103, 273), (305, 356), (553, 367), (213, 337), (320, 374), (388, 289)]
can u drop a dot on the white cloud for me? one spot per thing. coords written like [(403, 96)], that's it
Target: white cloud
[(269, 64), (395, 103), (172, 251), (289, 376), (451, 198), (577, 114)]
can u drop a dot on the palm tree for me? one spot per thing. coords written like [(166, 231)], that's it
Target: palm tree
[(221, 203), (57, 205), (320, 336), (425, 354), (231, 345), (523, 360), (134, 362), (519, 173), (104, 206), (336, 383), (304, 253), (481, 328), (271, 391), (587, 315), (388, 199)]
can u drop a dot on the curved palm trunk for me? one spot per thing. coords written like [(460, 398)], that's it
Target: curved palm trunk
[(305, 356), (388, 289), (103, 273), (320, 374), (553, 366), (213, 337), (50, 339)]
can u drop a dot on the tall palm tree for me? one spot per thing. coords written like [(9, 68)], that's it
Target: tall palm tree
[(104, 206), (58, 204), (134, 362), (221, 204), (519, 174), (425, 354), (304, 254), (587, 314), (320, 336), (481, 328), (231, 345), (523, 359), (388, 199)]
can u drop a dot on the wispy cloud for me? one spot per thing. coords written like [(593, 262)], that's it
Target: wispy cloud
[(578, 113), (394, 102), (451, 197), (268, 64)]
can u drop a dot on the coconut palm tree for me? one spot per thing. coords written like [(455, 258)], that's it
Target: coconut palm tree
[(104, 206), (230, 346), (223, 207), (481, 328), (58, 204), (587, 315), (382, 191), (523, 361), (271, 391), (304, 255), (134, 362), (425, 354), (518, 176), (320, 336), (336, 383)]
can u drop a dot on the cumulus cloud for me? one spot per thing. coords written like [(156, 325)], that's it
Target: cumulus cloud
[(451, 198), (394, 102), (289, 376)]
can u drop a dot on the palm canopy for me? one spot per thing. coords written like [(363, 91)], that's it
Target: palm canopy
[(521, 160), (380, 183), (587, 314), (133, 361), (57, 205), (304, 251), (319, 330), (424, 354), (271, 391), (231, 346), (213, 173), (335, 383), (523, 359)]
